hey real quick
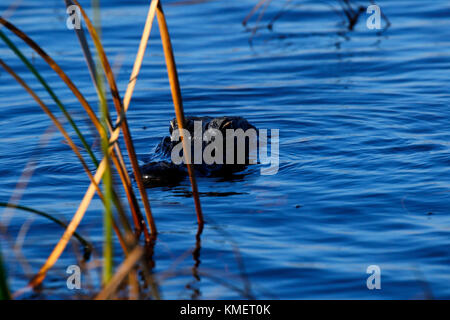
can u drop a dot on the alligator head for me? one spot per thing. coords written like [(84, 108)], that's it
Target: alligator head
[(231, 151)]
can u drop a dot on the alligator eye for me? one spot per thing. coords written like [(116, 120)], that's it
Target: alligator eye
[(227, 124)]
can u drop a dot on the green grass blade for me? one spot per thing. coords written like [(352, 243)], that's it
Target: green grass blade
[(108, 266), (87, 246), (58, 102), (121, 110)]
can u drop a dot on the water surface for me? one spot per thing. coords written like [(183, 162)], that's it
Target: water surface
[(364, 147)]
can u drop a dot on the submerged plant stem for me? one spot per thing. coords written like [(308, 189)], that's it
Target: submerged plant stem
[(4, 289)]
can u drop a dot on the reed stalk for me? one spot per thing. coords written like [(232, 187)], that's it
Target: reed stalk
[(58, 102), (76, 219), (253, 11), (55, 121), (178, 104), (69, 140), (124, 269), (108, 264), (128, 187), (73, 225), (86, 51), (110, 148), (90, 112), (117, 155), (87, 246), (124, 125), (65, 112)]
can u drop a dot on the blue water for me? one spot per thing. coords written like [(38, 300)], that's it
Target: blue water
[(364, 175)]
